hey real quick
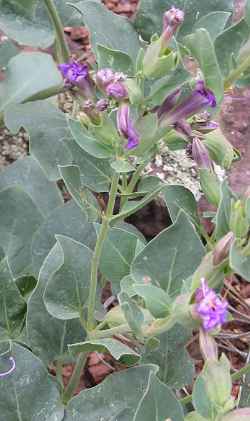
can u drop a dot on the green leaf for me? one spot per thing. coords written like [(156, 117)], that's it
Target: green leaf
[(27, 174), (19, 21), (240, 262), (149, 16), (19, 220), (108, 29), (212, 389), (29, 392), (132, 313), (156, 300), (81, 195), (67, 290), (224, 211), (167, 84), (116, 60), (172, 349), (118, 252), (87, 142), (245, 392), (48, 131), (214, 23), (228, 45), (49, 337), (158, 403), (170, 257), (7, 50), (27, 76), (201, 46), (67, 220), (120, 165), (12, 304), (95, 173), (116, 398), (117, 349), (180, 198), (28, 22)]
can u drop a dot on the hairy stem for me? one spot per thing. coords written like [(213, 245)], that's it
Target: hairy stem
[(98, 251), (236, 73), (62, 50)]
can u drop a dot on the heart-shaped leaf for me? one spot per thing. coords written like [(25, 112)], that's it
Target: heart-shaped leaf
[(49, 337), (67, 290), (170, 257)]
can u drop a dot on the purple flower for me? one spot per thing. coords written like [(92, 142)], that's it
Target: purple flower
[(12, 368), (198, 100), (172, 19), (200, 154), (126, 128), (211, 309), (77, 74), (117, 90)]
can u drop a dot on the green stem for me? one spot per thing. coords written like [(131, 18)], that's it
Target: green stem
[(63, 53), (148, 198), (236, 73), (107, 333), (133, 182), (98, 251), (75, 378)]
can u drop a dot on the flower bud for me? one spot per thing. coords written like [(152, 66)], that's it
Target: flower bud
[(84, 119), (91, 111), (222, 248), (242, 414), (238, 221), (117, 91), (104, 77), (217, 382), (210, 185), (102, 105), (220, 150), (172, 19), (208, 346), (200, 154)]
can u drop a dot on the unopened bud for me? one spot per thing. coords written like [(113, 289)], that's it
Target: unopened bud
[(90, 110), (210, 185), (220, 150), (200, 154), (222, 248), (84, 119), (238, 221), (172, 19), (102, 105), (208, 346)]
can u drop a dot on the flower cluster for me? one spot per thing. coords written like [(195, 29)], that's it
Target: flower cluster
[(211, 309)]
